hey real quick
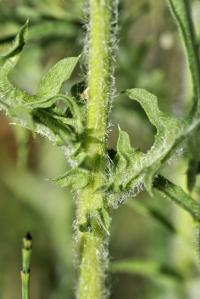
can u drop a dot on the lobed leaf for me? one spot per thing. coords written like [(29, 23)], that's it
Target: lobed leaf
[(132, 166), (38, 112), (131, 170)]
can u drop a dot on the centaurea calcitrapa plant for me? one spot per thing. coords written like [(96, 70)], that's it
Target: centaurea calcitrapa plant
[(79, 124)]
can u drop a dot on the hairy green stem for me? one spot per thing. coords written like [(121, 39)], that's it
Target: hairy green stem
[(90, 211), (26, 259), (99, 72)]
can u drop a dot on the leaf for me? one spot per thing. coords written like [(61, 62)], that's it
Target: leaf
[(149, 103), (10, 94), (149, 177), (8, 60), (86, 227), (48, 29), (18, 44), (125, 153), (38, 112), (103, 220), (170, 131), (194, 159), (52, 81), (125, 158), (147, 268), (175, 193), (77, 178), (133, 166), (182, 14), (75, 121), (24, 116), (147, 210), (181, 11), (95, 220)]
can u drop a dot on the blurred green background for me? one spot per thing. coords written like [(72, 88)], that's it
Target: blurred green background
[(154, 246)]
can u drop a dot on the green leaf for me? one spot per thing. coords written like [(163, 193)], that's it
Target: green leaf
[(147, 268), (125, 153), (75, 121), (181, 11), (103, 219), (95, 220), (133, 166), (24, 116), (149, 176), (39, 112), (18, 44), (52, 81), (147, 210), (76, 178), (86, 227), (194, 159), (170, 131), (149, 103), (10, 94), (175, 193)]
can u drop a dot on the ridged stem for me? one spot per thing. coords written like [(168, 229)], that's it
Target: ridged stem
[(26, 260)]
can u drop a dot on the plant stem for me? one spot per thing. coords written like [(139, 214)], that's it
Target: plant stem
[(26, 259), (92, 238), (99, 72)]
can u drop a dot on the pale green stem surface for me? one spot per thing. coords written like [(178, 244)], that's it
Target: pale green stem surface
[(99, 72), (92, 251)]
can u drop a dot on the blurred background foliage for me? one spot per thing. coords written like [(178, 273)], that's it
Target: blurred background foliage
[(154, 249)]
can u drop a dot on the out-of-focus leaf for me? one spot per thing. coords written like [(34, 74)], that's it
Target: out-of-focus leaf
[(175, 193), (18, 44), (46, 30), (182, 14), (150, 269), (181, 11), (147, 210), (194, 159)]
